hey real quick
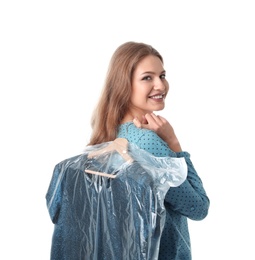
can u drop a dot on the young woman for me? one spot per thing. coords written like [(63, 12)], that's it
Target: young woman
[(135, 88)]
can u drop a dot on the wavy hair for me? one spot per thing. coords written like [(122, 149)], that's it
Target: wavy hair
[(114, 101)]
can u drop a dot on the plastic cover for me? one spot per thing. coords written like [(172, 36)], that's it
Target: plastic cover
[(117, 217)]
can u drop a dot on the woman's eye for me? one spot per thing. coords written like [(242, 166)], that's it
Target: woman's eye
[(163, 76), (147, 78)]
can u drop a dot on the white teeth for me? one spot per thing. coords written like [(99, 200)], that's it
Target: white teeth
[(157, 97)]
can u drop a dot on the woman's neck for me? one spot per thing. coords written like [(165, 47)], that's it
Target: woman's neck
[(127, 118)]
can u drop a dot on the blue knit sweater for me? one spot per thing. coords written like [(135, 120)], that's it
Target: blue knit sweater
[(189, 200)]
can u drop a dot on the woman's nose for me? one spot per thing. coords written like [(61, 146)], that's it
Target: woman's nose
[(160, 85)]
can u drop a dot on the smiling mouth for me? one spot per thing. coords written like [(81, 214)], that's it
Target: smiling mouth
[(161, 96)]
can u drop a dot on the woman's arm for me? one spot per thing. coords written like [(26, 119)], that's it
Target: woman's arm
[(189, 199)]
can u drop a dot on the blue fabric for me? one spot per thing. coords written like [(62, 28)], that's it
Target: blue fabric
[(189, 200), (98, 218)]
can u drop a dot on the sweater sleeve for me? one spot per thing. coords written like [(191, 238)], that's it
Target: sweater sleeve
[(190, 198)]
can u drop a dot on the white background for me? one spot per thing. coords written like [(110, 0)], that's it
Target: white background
[(53, 60)]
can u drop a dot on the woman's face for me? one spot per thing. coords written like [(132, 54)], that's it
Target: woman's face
[(149, 86)]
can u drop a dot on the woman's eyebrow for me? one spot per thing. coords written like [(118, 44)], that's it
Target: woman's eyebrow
[(152, 72)]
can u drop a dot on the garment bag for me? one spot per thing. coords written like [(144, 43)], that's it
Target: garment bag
[(108, 202)]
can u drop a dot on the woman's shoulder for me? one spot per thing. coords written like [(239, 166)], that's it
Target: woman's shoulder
[(145, 139), (129, 131)]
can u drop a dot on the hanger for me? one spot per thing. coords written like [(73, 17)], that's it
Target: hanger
[(119, 145)]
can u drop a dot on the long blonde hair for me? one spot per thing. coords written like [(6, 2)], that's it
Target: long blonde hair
[(115, 97)]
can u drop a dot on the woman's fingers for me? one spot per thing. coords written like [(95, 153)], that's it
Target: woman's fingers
[(150, 121), (137, 123), (155, 122)]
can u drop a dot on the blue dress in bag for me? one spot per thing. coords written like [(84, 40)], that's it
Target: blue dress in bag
[(97, 217)]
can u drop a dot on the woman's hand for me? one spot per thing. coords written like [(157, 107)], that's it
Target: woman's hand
[(161, 127)]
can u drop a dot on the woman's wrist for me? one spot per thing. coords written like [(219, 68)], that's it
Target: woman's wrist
[(174, 146)]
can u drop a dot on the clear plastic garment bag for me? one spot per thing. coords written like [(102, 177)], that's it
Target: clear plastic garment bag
[(108, 202)]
